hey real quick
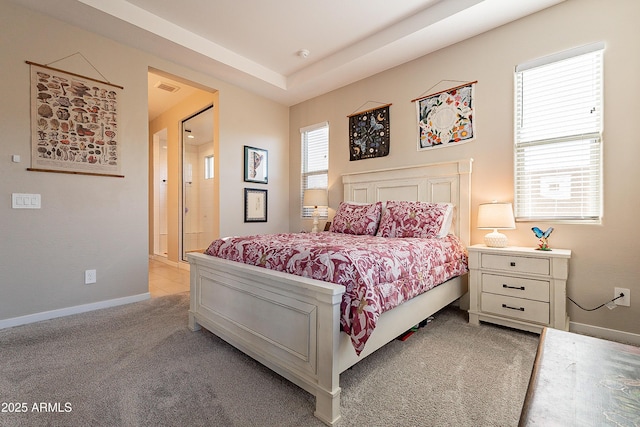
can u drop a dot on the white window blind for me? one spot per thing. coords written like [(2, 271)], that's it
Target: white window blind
[(558, 136), (315, 163)]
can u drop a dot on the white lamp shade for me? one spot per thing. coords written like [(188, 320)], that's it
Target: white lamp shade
[(496, 216), (314, 197)]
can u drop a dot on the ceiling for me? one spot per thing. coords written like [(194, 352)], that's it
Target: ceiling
[(160, 99), (256, 44)]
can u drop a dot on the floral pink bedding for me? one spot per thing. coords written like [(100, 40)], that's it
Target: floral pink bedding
[(378, 273)]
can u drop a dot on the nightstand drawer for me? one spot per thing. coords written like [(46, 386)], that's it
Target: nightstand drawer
[(516, 264), (516, 287), (523, 309)]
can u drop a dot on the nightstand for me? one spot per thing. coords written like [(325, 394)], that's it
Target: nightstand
[(522, 288)]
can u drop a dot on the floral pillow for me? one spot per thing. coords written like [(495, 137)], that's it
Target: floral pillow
[(415, 219), (358, 219)]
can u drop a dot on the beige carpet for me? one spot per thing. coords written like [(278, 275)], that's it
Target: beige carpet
[(139, 365)]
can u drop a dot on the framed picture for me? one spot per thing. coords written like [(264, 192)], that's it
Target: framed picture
[(255, 165), (255, 205)]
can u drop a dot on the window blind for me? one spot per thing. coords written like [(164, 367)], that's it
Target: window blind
[(558, 136), (315, 163)]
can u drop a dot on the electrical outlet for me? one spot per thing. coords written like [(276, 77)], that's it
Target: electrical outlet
[(89, 277), (624, 301)]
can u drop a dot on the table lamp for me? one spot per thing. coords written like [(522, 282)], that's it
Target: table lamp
[(314, 197), (494, 216)]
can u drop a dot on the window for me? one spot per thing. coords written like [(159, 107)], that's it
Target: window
[(558, 136), (315, 163), (208, 167)]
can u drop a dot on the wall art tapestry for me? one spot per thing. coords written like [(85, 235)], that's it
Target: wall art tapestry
[(369, 134), (74, 123), (446, 118)]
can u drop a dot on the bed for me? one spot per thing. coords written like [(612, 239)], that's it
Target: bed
[(292, 324)]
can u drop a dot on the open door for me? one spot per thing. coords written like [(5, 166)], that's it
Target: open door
[(198, 177)]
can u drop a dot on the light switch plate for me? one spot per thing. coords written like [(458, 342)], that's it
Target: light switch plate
[(25, 201)]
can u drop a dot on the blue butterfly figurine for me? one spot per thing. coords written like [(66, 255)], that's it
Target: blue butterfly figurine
[(543, 245), (542, 234)]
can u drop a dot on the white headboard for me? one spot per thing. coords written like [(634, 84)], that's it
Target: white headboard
[(438, 182)]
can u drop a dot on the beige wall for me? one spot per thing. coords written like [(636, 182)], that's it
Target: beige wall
[(101, 223), (604, 255)]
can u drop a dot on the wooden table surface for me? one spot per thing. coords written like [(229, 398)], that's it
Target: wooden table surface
[(582, 381)]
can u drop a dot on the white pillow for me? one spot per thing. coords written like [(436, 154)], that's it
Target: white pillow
[(448, 221)]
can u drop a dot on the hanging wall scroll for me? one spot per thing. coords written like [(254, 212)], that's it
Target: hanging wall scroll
[(369, 133), (74, 123), (446, 118)]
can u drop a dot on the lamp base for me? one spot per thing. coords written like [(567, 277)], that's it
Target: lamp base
[(315, 221), (495, 240)]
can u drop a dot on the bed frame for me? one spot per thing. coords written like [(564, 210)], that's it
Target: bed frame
[(291, 324)]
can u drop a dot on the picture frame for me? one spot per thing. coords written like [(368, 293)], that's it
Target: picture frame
[(256, 165), (255, 205)]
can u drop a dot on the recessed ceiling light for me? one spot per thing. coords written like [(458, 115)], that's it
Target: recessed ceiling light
[(303, 53)]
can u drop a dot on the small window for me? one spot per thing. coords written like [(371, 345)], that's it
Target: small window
[(208, 167), (558, 137), (315, 163)]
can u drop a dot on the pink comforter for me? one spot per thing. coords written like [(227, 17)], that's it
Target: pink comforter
[(378, 273)]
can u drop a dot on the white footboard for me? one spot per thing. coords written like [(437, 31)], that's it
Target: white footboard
[(290, 324)]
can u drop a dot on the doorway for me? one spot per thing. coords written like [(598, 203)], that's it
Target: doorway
[(183, 201)]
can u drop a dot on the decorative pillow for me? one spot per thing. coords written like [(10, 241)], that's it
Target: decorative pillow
[(353, 218), (415, 219)]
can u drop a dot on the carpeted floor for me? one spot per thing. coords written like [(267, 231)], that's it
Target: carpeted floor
[(139, 365)]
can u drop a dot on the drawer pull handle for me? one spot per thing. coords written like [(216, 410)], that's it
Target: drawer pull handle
[(520, 288), (513, 308), (512, 263)]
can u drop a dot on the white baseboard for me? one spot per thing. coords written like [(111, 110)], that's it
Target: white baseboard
[(604, 333), (46, 315)]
